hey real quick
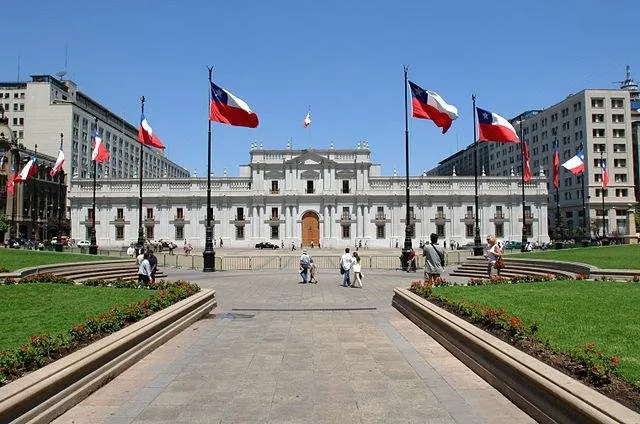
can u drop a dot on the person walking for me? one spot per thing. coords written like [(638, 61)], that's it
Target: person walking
[(313, 270), (493, 253), (153, 264), (346, 261), (305, 262), (144, 270), (357, 272), (434, 258)]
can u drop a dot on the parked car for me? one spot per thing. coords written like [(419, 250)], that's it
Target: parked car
[(266, 245), (83, 243)]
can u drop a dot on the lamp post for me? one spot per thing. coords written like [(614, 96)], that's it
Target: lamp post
[(208, 255)]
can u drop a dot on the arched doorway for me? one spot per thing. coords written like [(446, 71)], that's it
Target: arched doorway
[(310, 229)]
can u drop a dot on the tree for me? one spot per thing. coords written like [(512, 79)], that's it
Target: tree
[(4, 223)]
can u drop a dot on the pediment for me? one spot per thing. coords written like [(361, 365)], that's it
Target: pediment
[(310, 158), (274, 175), (345, 174), (310, 175)]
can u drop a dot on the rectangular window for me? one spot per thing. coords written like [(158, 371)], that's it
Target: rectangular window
[(149, 229), (499, 214), (440, 212), (149, 213), (597, 102), (120, 213), (239, 232), (310, 187), (617, 103), (274, 214), (240, 216), (345, 212), (345, 186), (620, 163), (440, 230), (469, 230), (346, 231), (528, 230), (619, 148), (179, 213), (622, 192), (119, 233), (90, 214), (597, 132), (179, 232), (620, 178), (597, 117), (274, 187), (380, 212), (618, 133), (275, 232), (499, 229), (469, 214), (380, 232), (618, 118)]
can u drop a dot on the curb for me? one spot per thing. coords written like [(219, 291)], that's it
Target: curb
[(48, 392), (546, 394)]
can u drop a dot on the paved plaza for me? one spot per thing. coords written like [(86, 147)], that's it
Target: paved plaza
[(278, 351)]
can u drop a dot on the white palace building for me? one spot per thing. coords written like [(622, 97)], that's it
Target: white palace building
[(334, 198)]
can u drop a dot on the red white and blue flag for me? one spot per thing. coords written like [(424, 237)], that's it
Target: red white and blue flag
[(307, 120), (525, 161), (11, 183), (100, 153), (429, 105), (229, 109), (576, 163), (605, 175), (59, 162), (556, 164), (29, 170), (147, 136), (493, 127)]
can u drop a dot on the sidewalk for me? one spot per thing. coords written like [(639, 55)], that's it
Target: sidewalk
[(277, 351)]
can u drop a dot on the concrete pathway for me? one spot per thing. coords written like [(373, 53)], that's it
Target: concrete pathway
[(278, 351)]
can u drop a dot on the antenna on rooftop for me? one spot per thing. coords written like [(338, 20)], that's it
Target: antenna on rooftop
[(61, 75)]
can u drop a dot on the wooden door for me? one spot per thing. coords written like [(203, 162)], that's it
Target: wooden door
[(310, 229)]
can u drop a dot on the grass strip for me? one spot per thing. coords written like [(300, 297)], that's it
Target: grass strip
[(14, 259)]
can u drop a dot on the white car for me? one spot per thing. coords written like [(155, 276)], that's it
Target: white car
[(83, 243)]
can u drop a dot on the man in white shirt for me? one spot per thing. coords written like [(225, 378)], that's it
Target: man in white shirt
[(346, 261), (305, 262)]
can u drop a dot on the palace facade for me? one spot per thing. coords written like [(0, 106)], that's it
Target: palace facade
[(333, 198)]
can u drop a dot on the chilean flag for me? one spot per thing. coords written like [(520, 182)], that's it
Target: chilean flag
[(30, 169), (100, 153), (575, 164), (556, 164), (146, 135), (229, 109), (493, 127), (525, 160), (429, 105), (605, 176), (11, 183), (307, 120), (59, 162)]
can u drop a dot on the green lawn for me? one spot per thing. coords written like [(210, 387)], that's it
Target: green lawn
[(14, 259), (622, 256), (33, 309), (571, 314)]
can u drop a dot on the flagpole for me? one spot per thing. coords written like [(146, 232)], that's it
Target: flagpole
[(58, 246), (140, 242), (477, 247), (602, 193), (209, 255), (559, 244), (523, 245), (34, 205), (585, 240), (404, 259), (93, 247)]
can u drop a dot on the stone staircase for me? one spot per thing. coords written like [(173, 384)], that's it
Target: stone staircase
[(105, 270), (476, 267)]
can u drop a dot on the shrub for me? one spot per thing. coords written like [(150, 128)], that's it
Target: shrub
[(598, 367)]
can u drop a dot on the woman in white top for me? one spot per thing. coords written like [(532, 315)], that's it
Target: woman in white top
[(357, 271), (493, 253)]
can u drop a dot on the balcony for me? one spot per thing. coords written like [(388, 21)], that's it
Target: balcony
[(380, 217), (274, 191), (498, 215), (310, 191), (469, 217), (178, 217)]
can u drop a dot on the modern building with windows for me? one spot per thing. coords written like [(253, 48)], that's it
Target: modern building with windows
[(598, 120), (330, 197), (41, 109)]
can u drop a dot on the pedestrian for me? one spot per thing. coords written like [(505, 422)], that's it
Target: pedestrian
[(434, 258), (293, 246), (144, 270), (282, 244), (153, 264), (312, 244), (172, 246), (131, 251), (346, 261), (313, 271), (411, 261), (305, 262), (221, 243), (357, 272), (140, 256), (493, 253)]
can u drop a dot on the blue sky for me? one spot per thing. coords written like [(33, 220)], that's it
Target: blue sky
[(344, 59)]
